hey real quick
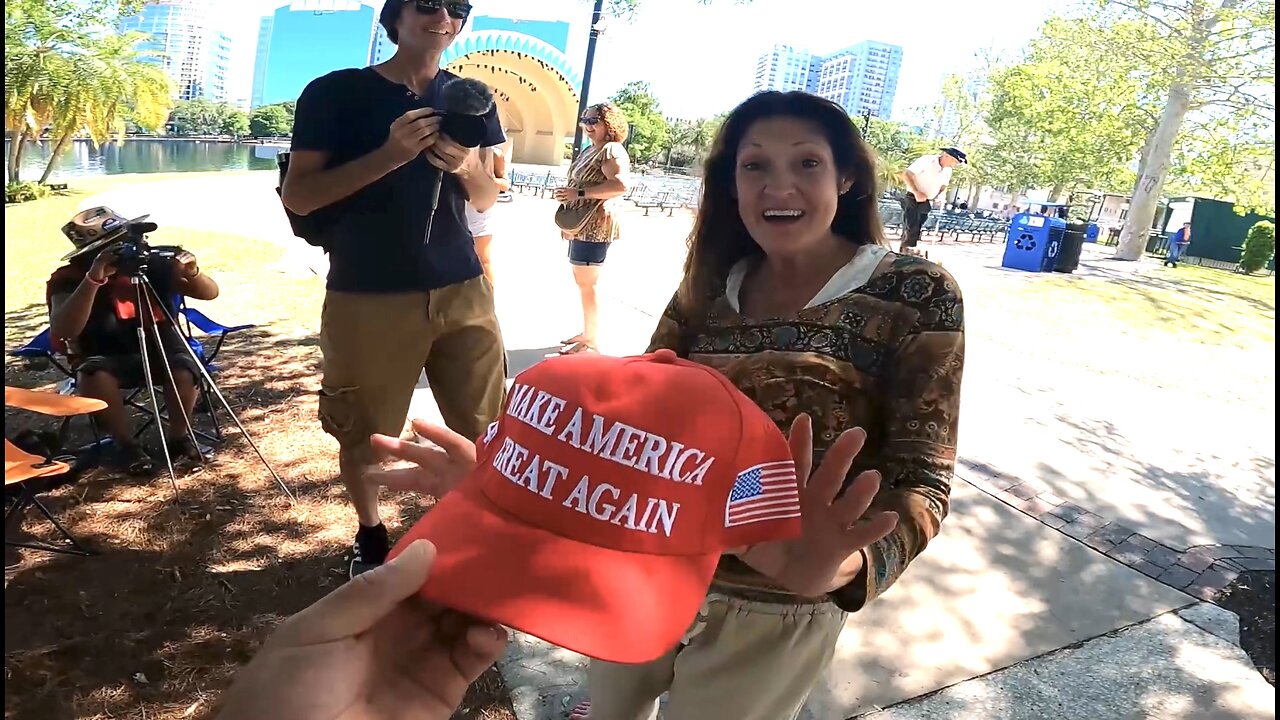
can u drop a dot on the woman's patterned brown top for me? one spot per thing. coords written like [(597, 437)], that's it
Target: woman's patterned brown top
[(887, 357), (589, 171)]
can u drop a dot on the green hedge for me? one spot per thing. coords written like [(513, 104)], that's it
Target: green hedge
[(1259, 247)]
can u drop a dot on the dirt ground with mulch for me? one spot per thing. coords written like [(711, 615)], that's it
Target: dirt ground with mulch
[(183, 592), (1252, 596)]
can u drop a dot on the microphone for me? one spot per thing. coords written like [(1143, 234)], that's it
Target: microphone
[(464, 103)]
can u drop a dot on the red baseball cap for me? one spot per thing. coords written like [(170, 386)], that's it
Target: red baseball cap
[(602, 500)]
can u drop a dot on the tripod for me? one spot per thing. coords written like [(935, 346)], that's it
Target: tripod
[(145, 291)]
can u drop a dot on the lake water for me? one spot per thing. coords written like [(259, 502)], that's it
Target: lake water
[(81, 159)]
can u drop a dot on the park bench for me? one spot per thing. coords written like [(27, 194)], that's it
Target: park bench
[(656, 200)]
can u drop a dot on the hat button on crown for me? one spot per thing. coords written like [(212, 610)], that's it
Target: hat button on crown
[(664, 355)]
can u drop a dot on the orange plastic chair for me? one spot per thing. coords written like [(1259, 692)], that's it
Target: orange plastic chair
[(26, 476)]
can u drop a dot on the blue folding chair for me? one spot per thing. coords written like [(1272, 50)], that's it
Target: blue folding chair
[(193, 318), (189, 319)]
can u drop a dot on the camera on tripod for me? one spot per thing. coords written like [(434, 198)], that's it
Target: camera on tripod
[(134, 256)]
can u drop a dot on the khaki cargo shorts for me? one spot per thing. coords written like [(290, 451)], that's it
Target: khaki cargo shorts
[(740, 660), (376, 345)]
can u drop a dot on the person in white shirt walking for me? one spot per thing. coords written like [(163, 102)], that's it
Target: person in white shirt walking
[(926, 179)]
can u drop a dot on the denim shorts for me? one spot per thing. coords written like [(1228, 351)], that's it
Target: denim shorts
[(586, 253)]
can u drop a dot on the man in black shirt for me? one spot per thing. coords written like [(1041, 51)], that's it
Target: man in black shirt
[(366, 151)]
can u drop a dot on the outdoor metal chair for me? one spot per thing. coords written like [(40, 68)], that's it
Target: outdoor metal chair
[(41, 347), (28, 476)]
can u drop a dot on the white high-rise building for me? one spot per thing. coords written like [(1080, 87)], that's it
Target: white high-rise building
[(261, 58), (786, 68), (183, 42), (382, 48), (862, 78)]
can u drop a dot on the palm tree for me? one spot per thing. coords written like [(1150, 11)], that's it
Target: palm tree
[(101, 86), (33, 41), (896, 148)]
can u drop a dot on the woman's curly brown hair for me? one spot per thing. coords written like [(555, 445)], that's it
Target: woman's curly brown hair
[(615, 121)]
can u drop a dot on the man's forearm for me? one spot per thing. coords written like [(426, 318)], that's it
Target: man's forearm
[(307, 193)]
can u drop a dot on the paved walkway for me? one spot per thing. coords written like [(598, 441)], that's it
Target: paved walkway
[(1074, 501)]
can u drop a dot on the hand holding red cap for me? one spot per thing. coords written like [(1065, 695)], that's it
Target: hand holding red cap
[(366, 647), (602, 500)]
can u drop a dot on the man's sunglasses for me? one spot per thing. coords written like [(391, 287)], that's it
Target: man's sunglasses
[(457, 9), (589, 120)]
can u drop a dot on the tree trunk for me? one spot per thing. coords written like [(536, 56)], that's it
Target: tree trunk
[(1152, 169), (1156, 153), (53, 159), (1055, 195), (15, 156), (975, 191)]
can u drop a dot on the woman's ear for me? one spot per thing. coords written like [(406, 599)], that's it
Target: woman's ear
[(845, 185)]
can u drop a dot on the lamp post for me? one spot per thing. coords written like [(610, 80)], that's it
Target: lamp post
[(596, 13)]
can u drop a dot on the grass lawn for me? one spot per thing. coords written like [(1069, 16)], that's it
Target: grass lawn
[(1203, 305), (1155, 324), (182, 592)]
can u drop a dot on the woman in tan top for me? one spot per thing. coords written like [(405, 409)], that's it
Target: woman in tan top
[(790, 290), (598, 176)]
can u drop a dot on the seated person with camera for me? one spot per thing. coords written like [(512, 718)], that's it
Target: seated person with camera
[(94, 316)]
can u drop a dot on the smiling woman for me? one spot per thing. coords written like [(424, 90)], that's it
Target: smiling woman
[(790, 291)]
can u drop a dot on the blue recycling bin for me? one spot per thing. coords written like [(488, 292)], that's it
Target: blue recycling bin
[(1092, 232), (1033, 242)]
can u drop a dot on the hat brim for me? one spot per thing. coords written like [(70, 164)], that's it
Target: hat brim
[(93, 245), (114, 235), (606, 604)]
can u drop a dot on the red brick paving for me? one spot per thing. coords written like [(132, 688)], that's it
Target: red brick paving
[(1203, 571)]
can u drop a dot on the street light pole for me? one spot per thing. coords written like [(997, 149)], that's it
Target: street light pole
[(596, 13)]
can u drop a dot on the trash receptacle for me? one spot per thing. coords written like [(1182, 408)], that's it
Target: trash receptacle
[(1033, 242), (1072, 244)]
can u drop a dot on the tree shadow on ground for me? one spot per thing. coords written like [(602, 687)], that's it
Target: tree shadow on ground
[(1171, 283), (183, 590), (994, 589), (23, 324), (1183, 495)]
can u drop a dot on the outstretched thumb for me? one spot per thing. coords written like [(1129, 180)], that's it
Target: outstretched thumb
[(357, 606)]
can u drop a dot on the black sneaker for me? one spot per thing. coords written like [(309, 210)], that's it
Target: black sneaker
[(369, 550)]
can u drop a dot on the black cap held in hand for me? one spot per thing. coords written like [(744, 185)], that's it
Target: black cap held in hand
[(465, 101)]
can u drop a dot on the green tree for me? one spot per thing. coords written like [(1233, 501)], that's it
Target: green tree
[(195, 117), (965, 104), (896, 147), (649, 129), (102, 86), (271, 120), (1212, 59), (627, 8), (51, 48), (235, 122), (204, 117), (1069, 115), (689, 141)]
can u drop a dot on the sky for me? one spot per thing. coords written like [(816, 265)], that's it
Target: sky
[(700, 59)]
